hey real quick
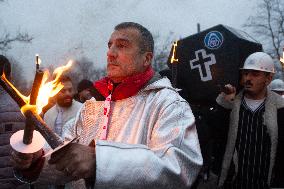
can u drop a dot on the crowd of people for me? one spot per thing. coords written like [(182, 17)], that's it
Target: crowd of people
[(136, 131)]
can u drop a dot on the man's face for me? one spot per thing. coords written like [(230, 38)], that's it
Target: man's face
[(124, 57), (255, 82), (65, 96)]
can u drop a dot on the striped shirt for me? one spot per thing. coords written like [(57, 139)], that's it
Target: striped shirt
[(59, 122), (253, 148)]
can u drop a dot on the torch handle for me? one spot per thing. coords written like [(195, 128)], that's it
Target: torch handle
[(51, 137), (28, 131)]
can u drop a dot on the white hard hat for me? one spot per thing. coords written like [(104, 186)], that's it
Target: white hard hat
[(277, 85), (259, 61)]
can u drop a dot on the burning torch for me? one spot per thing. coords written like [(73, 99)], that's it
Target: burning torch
[(29, 128), (174, 62), (282, 59), (282, 62), (30, 140)]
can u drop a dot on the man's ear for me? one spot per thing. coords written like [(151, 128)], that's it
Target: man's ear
[(269, 78), (147, 59)]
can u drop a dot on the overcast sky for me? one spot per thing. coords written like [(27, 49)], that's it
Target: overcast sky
[(69, 29)]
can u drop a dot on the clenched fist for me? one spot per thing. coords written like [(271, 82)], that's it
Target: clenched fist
[(229, 92), (76, 160)]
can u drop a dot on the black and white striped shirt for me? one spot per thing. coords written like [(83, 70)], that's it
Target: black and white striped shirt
[(253, 148)]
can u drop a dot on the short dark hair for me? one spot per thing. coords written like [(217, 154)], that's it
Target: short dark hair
[(84, 84), (5, 66), (146, 42)]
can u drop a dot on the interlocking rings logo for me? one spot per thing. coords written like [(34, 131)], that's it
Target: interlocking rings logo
[(213, 40)]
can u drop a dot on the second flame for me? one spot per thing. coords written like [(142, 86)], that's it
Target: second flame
[(47, 89)]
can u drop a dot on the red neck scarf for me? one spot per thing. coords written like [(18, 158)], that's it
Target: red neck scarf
[(127, 88)]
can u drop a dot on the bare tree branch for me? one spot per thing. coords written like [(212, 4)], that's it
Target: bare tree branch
[(85, 69), (274, 39), (7, 40), (279, 10), (162, 52), (268, 25)]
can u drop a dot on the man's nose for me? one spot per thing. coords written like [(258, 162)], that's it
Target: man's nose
[(111, 53), (69, 92)]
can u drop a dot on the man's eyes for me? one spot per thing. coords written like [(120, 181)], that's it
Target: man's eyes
[(119, 45), (254, 73), (65, 90)]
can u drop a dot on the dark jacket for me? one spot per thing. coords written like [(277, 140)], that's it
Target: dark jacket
[(228, 115), (11, 120)]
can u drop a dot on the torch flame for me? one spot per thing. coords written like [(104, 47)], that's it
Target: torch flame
[(46, 90), (173, 59), (51, 88), (282, 59), (25, 98)]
